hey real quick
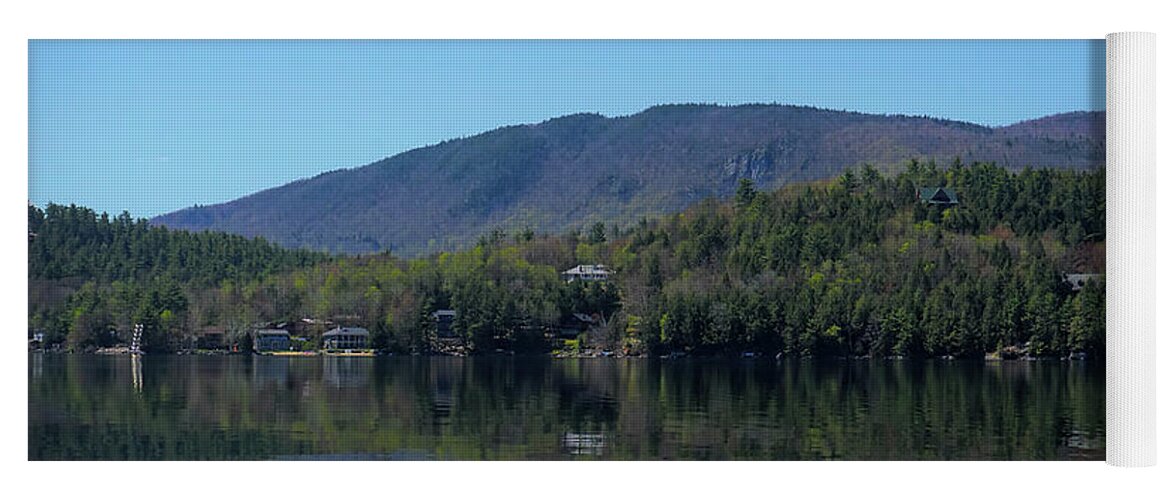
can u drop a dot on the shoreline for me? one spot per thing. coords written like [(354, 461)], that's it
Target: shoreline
[(123, 351)]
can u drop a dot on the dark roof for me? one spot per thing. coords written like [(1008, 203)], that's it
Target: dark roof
[(270, 331), (1077, 281), (346, 331), (938, 195), (584, 318)]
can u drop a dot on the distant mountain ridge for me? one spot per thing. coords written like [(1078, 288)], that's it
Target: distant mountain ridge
[(571, 171)]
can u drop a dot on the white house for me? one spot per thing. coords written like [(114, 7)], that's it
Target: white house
[(595, 272)]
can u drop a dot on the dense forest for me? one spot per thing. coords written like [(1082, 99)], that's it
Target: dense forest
[(855, 266), (91, 274)]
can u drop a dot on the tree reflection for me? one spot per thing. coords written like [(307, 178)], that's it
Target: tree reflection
[(240, 407)]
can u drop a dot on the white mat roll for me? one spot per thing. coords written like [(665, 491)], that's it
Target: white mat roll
[(1130, 228)]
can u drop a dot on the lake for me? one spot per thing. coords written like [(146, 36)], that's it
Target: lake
[(163, 407)]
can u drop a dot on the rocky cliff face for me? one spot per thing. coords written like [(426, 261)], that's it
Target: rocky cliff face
[(572, 171)]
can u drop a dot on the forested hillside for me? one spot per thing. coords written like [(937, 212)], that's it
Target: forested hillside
[(853, 266), (570, 172), (90, 273)]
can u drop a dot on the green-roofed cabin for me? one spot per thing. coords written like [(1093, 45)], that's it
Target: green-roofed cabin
[(938, 196)]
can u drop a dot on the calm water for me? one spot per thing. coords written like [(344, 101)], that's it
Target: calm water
[(91, 407)]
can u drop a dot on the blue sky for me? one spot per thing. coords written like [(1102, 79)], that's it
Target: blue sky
[(155, 126)]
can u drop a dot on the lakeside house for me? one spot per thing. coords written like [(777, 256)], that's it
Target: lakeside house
[(938, 196), (211, 337), (577, 323), (271, 340), (310, 327), (343, 338), (443, 319), (1078, 281), (587, 273)]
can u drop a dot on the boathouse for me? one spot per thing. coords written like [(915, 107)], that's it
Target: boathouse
[(443, 320)]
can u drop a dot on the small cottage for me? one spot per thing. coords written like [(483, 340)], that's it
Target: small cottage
[(577, 323), (270, 340), (938, 196), (443, 320), (211, 337)]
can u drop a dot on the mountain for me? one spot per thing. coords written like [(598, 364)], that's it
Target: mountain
[(1077, 125), (572, 171)]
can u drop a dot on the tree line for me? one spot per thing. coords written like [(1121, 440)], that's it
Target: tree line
[(854, 266), (91, 274)]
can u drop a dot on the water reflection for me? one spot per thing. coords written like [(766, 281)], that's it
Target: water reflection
[(366, 457), (136, 372), (442, 382), (587, 443), (36, 365), (269, 372), (347, 372), (244, 407)]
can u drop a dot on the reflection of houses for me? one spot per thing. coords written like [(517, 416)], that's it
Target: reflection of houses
[(345, 338), (445, 374), (270, 370), (1078, 281), (584, 443), (211, 337), (344, 371), (938, 196), (269, 340), (37, 366), (443, 320), (587, 273)]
